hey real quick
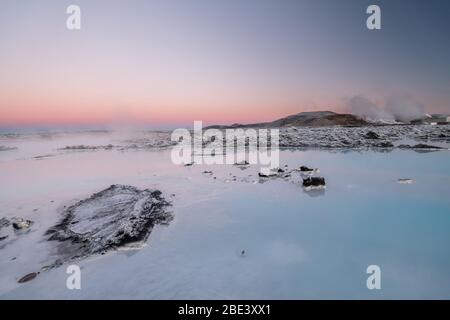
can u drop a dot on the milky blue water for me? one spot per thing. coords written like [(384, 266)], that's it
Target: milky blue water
[(297, 244)]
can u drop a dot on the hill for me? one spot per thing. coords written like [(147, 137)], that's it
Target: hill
[(304, 119)]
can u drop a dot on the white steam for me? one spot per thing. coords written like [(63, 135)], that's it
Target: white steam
[(404, 109), (396, 108)]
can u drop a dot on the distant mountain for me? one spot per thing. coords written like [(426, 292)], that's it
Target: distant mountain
[(304, 119)]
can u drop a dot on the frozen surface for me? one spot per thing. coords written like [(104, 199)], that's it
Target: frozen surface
[(365, 137), (381, 138), (297, 244)]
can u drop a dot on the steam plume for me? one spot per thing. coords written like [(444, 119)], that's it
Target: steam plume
[(398, 108)]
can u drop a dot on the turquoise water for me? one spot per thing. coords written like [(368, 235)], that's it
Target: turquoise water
[(297, 244)]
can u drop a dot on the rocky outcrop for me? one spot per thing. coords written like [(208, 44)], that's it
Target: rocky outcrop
[(314, 182), (378, 138), (115, 217), (276, 173), (21, 224)]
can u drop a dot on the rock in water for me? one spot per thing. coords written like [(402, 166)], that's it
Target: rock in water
[(28, 277), (242, 163), (420, 146), (314, 183), (110, 219), (268, 174), (426, 146), (22, 224), (11, 229), (405, 181)]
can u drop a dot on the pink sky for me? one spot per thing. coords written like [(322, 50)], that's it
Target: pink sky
[(219, 62)]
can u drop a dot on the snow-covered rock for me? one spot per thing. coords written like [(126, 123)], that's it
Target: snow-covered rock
[(115, 217), (21, 224)]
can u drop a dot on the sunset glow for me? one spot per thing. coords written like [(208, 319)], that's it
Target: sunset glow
[(159, 64)]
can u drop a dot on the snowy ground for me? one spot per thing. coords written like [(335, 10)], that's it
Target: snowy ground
[(361, 137)]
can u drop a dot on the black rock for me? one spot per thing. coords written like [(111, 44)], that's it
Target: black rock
[(314, 182), (305, 169), (371, 135), (28, 277)]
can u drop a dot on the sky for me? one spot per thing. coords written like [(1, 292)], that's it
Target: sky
[(167, 63)]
